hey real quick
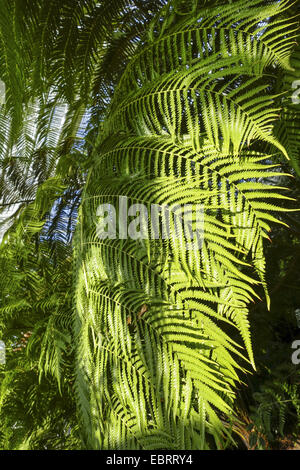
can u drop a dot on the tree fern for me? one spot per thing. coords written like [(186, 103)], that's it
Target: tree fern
[(37, 408), (188, 123)]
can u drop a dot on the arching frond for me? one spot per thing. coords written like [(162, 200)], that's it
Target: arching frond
[(158, 322)]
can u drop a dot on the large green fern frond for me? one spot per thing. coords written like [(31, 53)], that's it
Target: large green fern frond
[(158, 323)]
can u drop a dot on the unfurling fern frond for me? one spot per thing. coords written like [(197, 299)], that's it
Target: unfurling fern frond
[(158, 323)]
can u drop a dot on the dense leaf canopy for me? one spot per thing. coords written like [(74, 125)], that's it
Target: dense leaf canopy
[(122, 343)]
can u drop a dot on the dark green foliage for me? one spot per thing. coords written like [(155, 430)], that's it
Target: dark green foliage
[(37, 406)]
